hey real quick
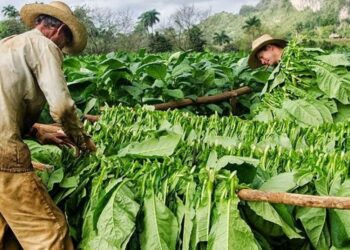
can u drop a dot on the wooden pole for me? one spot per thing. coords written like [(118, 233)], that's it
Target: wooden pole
[(41, 167), (92, 118), (204, 99), (301, 200), (232, 94)]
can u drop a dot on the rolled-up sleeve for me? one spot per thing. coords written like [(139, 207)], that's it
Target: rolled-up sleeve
[(49, 75)]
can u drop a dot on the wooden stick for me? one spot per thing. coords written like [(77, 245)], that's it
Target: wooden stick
[(301, 200), (204, 99), (41, 167), (232, 94), (92, 118)]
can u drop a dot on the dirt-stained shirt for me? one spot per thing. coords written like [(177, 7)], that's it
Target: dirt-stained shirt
[(31, 75)]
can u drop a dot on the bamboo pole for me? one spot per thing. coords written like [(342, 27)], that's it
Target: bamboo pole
[(301, 200), (204, 99)]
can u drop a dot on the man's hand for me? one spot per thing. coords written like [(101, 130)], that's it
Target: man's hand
[(53, 134), (58, 138)]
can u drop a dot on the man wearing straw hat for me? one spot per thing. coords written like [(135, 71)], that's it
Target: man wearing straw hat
[(267, 51), (30, 75)]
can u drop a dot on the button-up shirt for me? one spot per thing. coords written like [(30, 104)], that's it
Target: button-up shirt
[(31, 74)]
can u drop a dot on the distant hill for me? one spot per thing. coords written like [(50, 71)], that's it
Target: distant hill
[(315, 18)]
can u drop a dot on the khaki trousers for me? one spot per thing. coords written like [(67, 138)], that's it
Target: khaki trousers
[(28, 211)]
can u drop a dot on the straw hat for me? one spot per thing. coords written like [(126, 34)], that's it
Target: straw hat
[(258, 44), (62, 12)]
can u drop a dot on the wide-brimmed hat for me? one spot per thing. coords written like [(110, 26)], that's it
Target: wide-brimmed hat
[(260, 43), (62, 12)]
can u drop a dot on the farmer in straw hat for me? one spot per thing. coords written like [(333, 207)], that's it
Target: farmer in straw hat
[(30, 75), (267, 51)]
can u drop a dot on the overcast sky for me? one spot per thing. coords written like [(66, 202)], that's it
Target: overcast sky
[(164, 7)]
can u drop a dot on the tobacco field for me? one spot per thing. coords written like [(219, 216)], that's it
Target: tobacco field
[(169, 179)]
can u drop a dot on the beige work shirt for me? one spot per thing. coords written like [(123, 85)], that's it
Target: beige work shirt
[(31, 74)]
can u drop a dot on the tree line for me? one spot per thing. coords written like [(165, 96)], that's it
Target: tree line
[(111, 30)]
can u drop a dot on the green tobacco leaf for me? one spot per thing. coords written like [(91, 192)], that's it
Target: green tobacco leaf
[(160, 225), (343, 114), (324, 111), (180, 69), (212, 159), (239, 160), (72, 62), (175, 56), (203, 216), (335, 184), (279, 79), (340, 219), (229, 231), (303, 111), (55, 177), (215, 108), (180, 210), (189, 216), (275, 140), (321, 185), (334, 59), (245, 166), (202, 219), (241, 66), (117, 220), (333, 84), (156, 70), (264, 116), (209, 77), (261, 76), (90, 105), (176, 93), (155, 147), (347, 247), (87, 79), (134, 91), (314, 221), (222, 140), (280, 183), (69, 182), (260, 225), (113, 63), (268, 213), (150, 58), (47, 154), (275, 71), (217, 164)]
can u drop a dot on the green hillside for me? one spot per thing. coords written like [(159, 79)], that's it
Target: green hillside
[(282, 18)]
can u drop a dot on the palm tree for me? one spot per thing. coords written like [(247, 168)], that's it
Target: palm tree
[(221, 38), (10, 11), (149, 18), (252, 25)]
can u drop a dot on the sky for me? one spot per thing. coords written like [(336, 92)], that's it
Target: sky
[(164, 7)]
